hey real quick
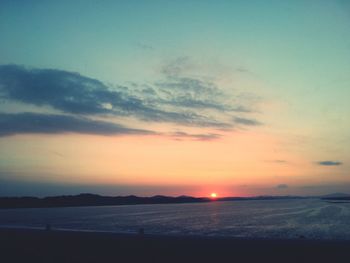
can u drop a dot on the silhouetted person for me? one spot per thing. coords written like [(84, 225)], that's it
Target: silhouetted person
[(48, 227), (141, 231)]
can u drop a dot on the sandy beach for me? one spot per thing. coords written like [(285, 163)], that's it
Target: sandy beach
[(25, 245)]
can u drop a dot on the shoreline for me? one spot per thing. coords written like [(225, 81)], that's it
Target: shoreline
[(301, 239), (34, 245), (35, 230), (93, 200)]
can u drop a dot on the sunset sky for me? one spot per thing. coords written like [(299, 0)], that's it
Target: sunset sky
[(187, 97)]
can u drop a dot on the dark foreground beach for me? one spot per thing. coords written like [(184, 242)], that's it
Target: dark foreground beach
[(62, 246)]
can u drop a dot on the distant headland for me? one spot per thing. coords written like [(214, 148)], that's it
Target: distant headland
[(87, 199)]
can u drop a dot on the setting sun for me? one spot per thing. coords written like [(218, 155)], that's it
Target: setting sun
[(213, 195)]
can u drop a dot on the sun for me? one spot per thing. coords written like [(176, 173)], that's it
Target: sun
[(213, 195)]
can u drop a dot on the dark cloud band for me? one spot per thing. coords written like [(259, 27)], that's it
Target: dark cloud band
[(329, 163), (20, 123), (66, 91), (76, 100), (177, 99), (36, 123)]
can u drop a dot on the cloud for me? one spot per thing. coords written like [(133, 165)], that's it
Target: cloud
[(248, 122), (36, 123), (66, 91), (282, 186), (73, 93), (199, 137), (329, 163), (177, 98), (144, 46), (280, 161), (20, 123), (194, 93), (176, 67)]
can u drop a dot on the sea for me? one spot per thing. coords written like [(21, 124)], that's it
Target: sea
[(266, 219)]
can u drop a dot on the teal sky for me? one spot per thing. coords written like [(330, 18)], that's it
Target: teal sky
[(286, 62)]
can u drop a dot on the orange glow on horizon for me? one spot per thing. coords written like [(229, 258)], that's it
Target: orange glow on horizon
[(164, 166), (213, 195)]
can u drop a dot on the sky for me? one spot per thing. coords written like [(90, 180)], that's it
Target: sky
[(240, 98)]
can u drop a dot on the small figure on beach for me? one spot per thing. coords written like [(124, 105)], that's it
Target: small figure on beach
[(141, 231), (48, 227)]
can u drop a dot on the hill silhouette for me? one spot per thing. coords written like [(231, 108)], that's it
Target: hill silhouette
[(87, 199)]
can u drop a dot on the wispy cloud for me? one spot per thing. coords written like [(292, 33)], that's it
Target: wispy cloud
[(198, 136), (282, 186), (278, 161), (329, 163), (144, 46), (245, 121)]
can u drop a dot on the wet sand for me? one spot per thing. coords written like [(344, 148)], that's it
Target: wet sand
[(62, 246)]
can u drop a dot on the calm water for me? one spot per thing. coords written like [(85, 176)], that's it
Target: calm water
[(314, 219)]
